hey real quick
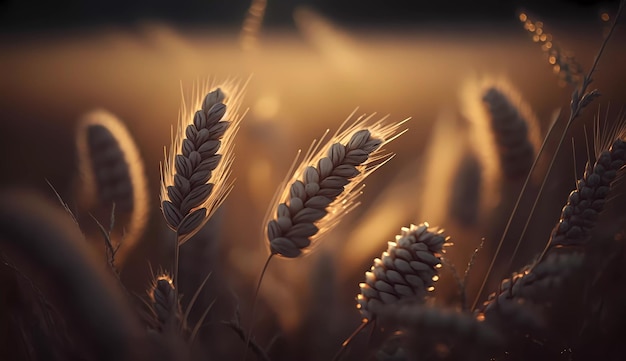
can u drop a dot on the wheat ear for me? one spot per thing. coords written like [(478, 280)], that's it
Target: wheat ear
[(563, 62), (514, 128), (581, 98), (585, 203), (326, 185), (466, 192), (195, 177), (406, 271), (165, 304), (112, 175), (46, 236)]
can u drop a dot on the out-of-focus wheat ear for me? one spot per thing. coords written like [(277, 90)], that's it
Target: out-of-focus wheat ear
[(51, 243), (464, 202), (586, 202), (326, 185), (195, 174), (166, 304), (112, 175), (514, 130), (393, 348), (563, 62), (448, 334), (407, 270), (438, 167), (249, 36)]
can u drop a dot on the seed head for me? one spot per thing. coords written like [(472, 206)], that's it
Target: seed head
[(407, 270)]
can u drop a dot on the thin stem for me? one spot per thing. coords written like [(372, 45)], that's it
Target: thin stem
[(459, 282), (513, 214), (578, 106), (575, 109), (345, 343), (256, 294), (258, 350), (175, 277)]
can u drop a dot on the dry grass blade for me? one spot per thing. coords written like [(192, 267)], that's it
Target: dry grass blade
[(258, 350), (194, 177), (325, 185), (112, 172), (63, 204), (194, 298), (111, 250), (196, 328)]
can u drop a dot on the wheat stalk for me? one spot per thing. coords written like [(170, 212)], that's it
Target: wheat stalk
[(541, 283), (113, 176), (326, 185), (195, 175), (581, 98)]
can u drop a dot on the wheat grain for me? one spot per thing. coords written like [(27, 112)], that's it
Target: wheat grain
[(407, 270), (325, 186), (194, 177), (112, 174)]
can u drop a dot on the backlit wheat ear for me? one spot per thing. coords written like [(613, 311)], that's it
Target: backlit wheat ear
[(112, 174), (514, 129), (407, 270), (586, 202), (325, 186), (194, 177), (165, 304)]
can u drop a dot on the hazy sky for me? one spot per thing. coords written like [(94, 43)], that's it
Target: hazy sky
[(34, 15)]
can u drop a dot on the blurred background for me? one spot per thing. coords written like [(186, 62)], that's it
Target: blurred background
[(309, 64)]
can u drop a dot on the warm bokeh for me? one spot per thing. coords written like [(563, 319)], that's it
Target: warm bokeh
[(301, 81)]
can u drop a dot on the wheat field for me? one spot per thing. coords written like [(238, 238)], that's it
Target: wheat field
[(321, 193)]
